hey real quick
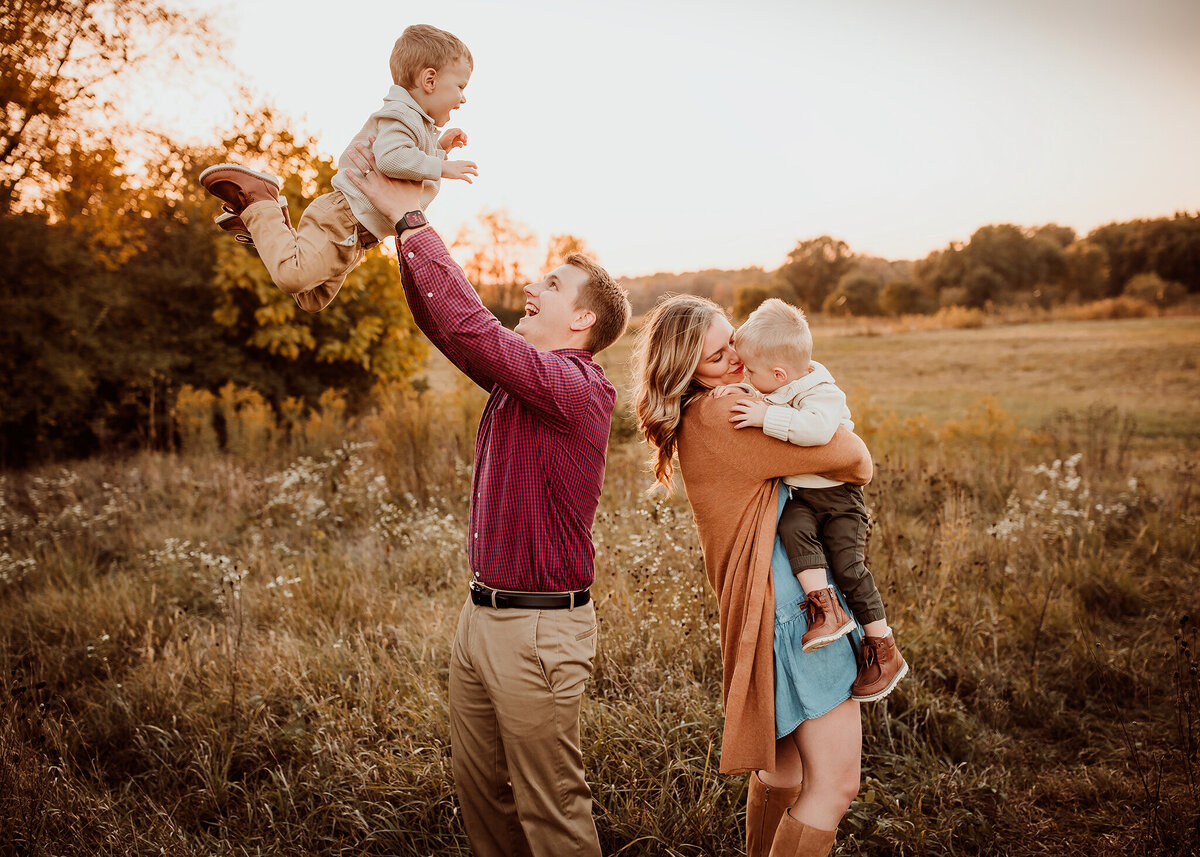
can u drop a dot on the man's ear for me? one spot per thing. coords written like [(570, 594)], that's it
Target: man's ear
[(428, 79), (583, 319)]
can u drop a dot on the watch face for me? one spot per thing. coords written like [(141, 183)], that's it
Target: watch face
[(414, 218)]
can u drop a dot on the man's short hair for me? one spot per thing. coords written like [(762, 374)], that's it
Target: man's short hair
[(422, 46), (603, 296), (776, 331)]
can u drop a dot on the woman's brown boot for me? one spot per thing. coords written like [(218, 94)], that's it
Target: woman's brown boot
[(765, 806), (796, 839)]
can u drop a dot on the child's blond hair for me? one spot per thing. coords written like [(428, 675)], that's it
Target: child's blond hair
[(421, 46), (777, 331)]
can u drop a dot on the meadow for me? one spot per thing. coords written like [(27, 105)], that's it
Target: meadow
[(244, 651)]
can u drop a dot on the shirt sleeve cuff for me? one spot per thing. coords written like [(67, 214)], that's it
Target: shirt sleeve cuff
[(420, 248), (777, 422)]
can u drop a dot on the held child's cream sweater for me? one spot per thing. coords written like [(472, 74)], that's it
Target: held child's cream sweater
[(807, 412)]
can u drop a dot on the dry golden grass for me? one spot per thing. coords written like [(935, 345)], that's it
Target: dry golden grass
[(247, 654)]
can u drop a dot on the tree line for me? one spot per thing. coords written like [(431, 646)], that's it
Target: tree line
[(116, 290), (1154, 260)]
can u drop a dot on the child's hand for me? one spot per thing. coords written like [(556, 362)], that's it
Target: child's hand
[(725, 390), (748, 412), (452, 139), (459, 170)]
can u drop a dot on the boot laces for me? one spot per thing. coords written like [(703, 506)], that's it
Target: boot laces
[(813, 608), (870, 651)]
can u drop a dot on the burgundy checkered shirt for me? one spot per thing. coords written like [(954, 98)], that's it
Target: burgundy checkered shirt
[(539, 456)]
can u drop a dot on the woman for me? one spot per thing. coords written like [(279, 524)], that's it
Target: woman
[(789, 718)]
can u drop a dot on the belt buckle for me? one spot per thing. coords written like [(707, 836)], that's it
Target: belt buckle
[(487, 591)]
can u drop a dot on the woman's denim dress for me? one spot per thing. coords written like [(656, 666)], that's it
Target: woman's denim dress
[(807, 684)]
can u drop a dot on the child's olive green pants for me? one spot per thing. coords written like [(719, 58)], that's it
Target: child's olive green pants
[(827, 528)]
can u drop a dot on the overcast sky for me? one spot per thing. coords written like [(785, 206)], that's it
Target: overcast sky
[(676, 136)]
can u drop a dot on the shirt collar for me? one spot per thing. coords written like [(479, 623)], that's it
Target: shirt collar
[(399, 93), (819, 375), (786, 393), (573, 352)]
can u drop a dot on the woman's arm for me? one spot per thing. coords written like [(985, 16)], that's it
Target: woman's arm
[(755, 456)]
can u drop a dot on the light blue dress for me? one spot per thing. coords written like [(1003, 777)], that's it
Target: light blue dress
[(807, 684)]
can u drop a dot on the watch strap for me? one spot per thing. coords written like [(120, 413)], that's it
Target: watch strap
[(411, 220)]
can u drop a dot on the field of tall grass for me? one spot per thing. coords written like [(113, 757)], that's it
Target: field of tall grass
[(244, 651)]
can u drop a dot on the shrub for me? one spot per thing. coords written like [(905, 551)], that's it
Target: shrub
[(1153, 289), (1109, 308)]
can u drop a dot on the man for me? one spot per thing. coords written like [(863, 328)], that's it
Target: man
[(526, 637)]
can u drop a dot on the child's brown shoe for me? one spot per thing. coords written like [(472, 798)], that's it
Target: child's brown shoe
[(827, 621), (880, 668), (231, 222), (239, 187)]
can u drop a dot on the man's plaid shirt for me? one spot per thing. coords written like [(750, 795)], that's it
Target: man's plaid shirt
[(539, 456)]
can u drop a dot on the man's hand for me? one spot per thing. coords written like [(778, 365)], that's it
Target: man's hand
[(452, 139), (391, 197), (459, 170), (748, 412)]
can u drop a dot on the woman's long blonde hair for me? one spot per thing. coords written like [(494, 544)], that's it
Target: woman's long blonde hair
[(670, 345)]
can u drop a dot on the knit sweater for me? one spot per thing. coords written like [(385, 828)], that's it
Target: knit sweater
[(730, 477), (406, 147), (806, 412)]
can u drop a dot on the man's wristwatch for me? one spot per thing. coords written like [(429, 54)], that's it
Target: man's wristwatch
[(411, 220)]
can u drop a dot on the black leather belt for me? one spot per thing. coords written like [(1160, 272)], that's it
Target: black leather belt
[(485, 596)]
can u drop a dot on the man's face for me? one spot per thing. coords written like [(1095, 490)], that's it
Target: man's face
[(448, 93), (551, 313)]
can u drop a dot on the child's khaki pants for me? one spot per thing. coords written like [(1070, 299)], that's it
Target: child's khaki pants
[(312, 262)]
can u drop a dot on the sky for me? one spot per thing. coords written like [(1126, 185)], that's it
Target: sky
[(677, 136)]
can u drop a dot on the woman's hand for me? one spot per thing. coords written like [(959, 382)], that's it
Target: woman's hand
[(391, 197)]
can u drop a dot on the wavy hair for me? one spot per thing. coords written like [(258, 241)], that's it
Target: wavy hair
[(669, 347)]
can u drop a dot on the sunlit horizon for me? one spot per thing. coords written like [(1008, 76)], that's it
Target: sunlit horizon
[(689, 136)]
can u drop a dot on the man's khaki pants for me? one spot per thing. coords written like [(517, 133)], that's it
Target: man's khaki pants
[(311, 263), (516, 681)]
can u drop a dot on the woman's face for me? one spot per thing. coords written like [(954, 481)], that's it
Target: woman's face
[(719, 363)]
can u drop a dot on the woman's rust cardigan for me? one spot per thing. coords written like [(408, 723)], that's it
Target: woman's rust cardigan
[(730, 475)]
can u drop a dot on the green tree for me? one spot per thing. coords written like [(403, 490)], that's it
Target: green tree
[(747, 299), (1007, 253), (365, 336), (941, 270), (1153, 289), (814, 267), (106, 311), (982, 285), (904, 297), (856, 293), (1086, 277), (1062, 236), (1169, 247)]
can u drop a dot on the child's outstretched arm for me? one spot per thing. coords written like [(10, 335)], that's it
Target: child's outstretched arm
[(452, 139)]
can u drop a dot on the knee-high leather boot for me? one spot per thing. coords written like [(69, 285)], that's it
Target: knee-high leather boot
[(765, 806), (796, 839)]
